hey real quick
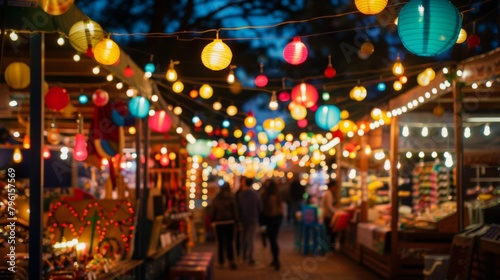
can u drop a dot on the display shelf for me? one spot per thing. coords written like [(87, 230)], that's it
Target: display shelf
[(162, 251), (123, 268)]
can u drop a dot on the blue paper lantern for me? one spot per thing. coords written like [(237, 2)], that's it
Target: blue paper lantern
[(139, 107), (429, 27), (327, 116), (381, 86), (202, 148), (149, 67), (83, 99)]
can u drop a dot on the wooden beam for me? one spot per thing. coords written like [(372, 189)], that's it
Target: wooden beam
[(394, 158)]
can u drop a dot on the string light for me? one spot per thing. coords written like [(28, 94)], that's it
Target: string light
[(406, 131), (467, 132), (76, 57), (444, 132), (487, 130), (425, 131), (13, 36), (96, 70)]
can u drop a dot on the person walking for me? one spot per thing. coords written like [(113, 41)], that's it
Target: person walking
[(224, 216), (328, 208), (296, 197), (273, 216), (250, 206)]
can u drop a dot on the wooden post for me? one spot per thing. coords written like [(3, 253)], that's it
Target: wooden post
[(338, 171), (37, 49), (459, 151), (363, 168), (394, 158)]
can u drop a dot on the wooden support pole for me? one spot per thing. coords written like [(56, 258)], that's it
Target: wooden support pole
[(459, 151), (394, 158), (363, 168)]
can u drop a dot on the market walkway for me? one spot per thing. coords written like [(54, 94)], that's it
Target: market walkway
[(293, 265)]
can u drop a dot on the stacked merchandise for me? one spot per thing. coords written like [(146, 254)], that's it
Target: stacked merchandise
[(424, 187), (445, 188)]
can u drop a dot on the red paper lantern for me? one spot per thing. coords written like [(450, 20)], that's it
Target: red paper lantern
[(57, 98), (295, 52), (261, 80), (473, 41), (164, 160), (305, 94), (302, 123), (160, 122), (330, 72), (128, 72), (284, 96), (100, 97)]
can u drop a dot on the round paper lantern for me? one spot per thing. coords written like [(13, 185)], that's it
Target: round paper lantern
[(128, 71), (302, 123), (216, 55), (107, 52), (347, 126), (358, 93), (160, 121), (149, 67), (178, 87), (206, 91), (327, 116), (85, 35), (139, 107), (367, 48), (428, 28), (164, 160), (298, 112), (232, 110), (370, 7), (473, 41), (202, 148), (397, 85), (305, 94), (462, 36), (284, 96), (261, 80), (57, 98), (344, 114), (100, 97), (250, 120), (295, 52), (381, 86), (330, 72), (55, 7), (430, 73), (17, 75)]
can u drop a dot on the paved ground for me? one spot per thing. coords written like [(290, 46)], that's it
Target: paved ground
[(294, 266)]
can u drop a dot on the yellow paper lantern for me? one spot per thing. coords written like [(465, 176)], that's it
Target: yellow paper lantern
[(298, 112), (237, 133), (370, 7), (250, 121), (462, 36), (206, 91), (279, 124), (17, 75), (178, 87), (218, 152), (85, 34), (232, 110), (347, 126), (107, 52), (55, 7), (262, 137), (216, 55), (430, 73), (358, 93)]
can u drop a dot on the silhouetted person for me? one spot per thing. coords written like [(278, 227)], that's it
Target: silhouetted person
[(296, 198), (224, 216), (273, 215), (328, 208)]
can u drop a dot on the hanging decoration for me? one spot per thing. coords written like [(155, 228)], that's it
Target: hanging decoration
[(367, 48), (370, 7), (57, 98), (100, 97), (17, 156), (206, 91), (330, 72), (128, 71), (160, 121), (397, 67), (107, 52), (85, 35), (261, 79), (216, 55), (250, 120), (232, 110), (297, 111), (171, 74), (327, 116), (295, 52), (80, 150), (462, 36), (178, 87), (305, 94), (17, 75), (358, 93), (139, 107), (55, 7), (428, 28), (231, 78)]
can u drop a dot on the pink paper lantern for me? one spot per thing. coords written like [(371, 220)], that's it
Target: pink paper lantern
[(284, 96), (100, 97), (57, 98), (305, 94), (128, 72), (295, 52), (302, 123), (160, 122), (261, 80)]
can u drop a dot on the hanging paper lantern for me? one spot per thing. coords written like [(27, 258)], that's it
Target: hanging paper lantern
[(216, 55), (381, 86), (206, 91), (347, 126), (17, 75), (83, 99), (327, 116), (344, 114), (302, 123), (164, 160), (232, 110), (100, 97), (473, 41), (376, 114), (428, 28), (330, 72), (128, 71), (250, 120), (305, 94), (261, 80), (202, 148), (397, 85), (139, 107), (358, 93), (423, 79), (107, 52), (367, 48), (149, 67), (297, 111), (363, 125), (284, 96), (85, 35), (80, 150), (218, 152), (55, 7), (160, 122), (462, 36), (370, 7), (295, 52), (57, 98), (235, 87)]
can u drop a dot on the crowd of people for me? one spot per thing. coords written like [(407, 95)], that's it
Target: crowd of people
[(238, 217)]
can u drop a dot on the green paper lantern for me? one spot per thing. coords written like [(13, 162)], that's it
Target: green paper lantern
[(429, 27), (139, 107)]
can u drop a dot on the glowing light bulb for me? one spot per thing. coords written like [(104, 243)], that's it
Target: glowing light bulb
[(96, 70), (13, 36), (80, 150), (467, 132), (46, 152), (487, 130), (444, 132), (60, 41), (109, 77), (76, 57), (406, 131), (425, 131), (17, 157), (387, 164), (408, 154)]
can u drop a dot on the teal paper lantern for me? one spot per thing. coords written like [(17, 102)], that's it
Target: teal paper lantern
[(327, 116), (202, 148), (429, 27), (139, 107)]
